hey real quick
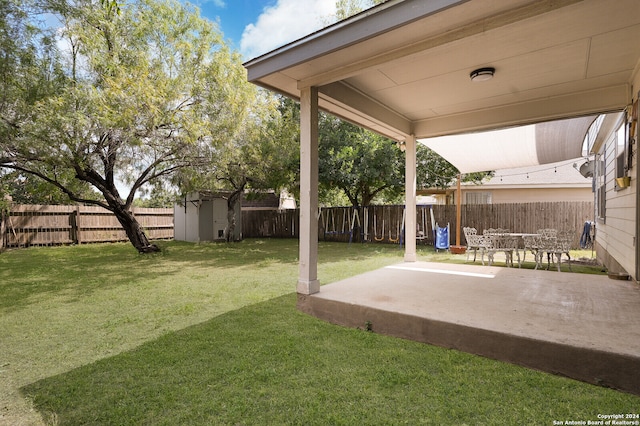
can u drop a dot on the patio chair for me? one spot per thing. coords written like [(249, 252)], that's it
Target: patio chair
[(478, 242), (548, 232), (546, 244), (555, 246), (562, 246), (474, 242), (531, 244)]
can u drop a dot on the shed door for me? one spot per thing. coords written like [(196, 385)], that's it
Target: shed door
[(219, 218), (205, 227)]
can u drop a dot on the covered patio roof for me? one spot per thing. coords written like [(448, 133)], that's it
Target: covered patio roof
[(402, 68)]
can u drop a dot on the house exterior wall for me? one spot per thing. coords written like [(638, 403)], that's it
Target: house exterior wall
[(554, 182), (533, 195), (617, 230)]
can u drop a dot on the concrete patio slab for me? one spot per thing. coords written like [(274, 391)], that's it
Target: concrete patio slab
[(582, 326)]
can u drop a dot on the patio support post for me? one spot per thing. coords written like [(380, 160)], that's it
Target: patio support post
[(410, 203), (308, 264), (458, 209)]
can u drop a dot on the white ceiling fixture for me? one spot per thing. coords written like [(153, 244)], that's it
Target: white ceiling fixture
[(482, 74)]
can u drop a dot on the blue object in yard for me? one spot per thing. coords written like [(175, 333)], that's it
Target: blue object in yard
[(586, 239), (442, 238)]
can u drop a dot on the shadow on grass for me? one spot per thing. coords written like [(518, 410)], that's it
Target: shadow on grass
[(27, 275), (270, 364)]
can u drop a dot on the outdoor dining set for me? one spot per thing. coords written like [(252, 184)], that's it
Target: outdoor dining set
[(550, 242)]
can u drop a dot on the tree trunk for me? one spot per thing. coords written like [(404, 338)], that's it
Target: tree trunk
[(231, 214), (134, 231), (2, 228), (231, 224)]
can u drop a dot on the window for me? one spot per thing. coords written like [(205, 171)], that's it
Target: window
[(621, 151), (477, 197), (600, 186)]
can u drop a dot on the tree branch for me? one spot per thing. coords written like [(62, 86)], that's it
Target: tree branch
[(149, 174), (72, 195)]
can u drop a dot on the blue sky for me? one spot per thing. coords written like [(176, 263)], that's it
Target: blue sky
[(254, 27), (234, 15)]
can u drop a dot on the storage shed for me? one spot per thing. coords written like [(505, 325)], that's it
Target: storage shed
[(202, 216)]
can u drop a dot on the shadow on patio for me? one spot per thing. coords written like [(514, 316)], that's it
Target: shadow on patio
[(586, 327)]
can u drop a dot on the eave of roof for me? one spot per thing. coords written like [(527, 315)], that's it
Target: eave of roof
[(362, 26)]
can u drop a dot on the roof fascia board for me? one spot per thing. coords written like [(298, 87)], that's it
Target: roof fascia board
[(397, 128), (365, 106), (368, 24), (608, 99)]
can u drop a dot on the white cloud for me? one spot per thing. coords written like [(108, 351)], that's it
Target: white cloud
[(283, 23)]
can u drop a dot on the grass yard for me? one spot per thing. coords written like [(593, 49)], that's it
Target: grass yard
[(209, 334)]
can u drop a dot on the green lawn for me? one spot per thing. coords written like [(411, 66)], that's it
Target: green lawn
[(209, 334)]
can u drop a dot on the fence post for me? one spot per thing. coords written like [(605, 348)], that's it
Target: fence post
[(73, 236), (3, 229), (75, 226)]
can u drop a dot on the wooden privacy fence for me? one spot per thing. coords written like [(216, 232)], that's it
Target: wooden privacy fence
[(383, 224), (41, 225), (29, 225), (270, 223)]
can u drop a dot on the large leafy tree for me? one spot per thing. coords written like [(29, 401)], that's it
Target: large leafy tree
[(138, 91), (366, 167), (360, 163)]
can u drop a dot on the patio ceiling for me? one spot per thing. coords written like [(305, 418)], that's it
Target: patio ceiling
[(402, 68)]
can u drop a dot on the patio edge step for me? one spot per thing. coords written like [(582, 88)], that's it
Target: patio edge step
[(602, 368)]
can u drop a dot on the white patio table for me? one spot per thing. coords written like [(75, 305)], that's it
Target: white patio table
[(500, 240), (511, 243)]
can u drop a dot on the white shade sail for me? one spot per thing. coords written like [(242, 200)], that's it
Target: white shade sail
[(530, 145)]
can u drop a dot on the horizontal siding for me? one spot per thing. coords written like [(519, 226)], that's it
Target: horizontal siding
[(616, 234)]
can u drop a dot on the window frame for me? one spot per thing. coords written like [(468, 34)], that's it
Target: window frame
[(601, 185), (621, 145), (478, 197)]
